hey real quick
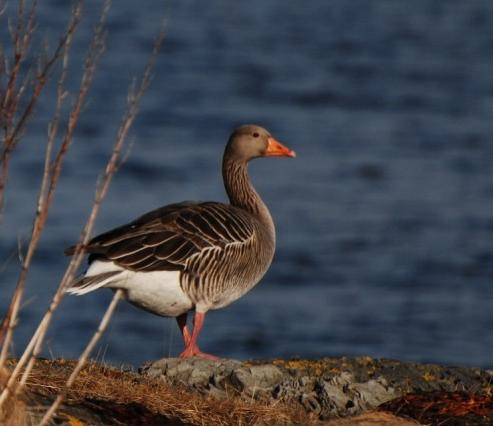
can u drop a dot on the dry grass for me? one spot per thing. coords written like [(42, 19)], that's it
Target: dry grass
[(373, 418), (15, 414), (96, 382)]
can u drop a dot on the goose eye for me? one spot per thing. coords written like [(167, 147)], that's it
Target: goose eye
[(256, 135)]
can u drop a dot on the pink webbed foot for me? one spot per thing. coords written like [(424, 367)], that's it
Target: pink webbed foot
[(191, 348), (195, 351)]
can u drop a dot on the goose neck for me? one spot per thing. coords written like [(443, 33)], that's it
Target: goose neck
[(241, 192)]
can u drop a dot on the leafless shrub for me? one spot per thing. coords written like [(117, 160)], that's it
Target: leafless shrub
[(14, 120), (14, 124)]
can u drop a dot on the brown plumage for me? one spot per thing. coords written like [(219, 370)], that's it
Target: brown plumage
[(188, 255)]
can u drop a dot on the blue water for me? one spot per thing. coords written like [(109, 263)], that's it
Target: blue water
[(384, 221)]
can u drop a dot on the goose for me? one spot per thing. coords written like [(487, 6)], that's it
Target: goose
[(192, 256)]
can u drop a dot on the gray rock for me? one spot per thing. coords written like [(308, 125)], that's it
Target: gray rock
[(333, 396), (258, 381), (373, 393), (258, 376), (311, 403), (328, 387)]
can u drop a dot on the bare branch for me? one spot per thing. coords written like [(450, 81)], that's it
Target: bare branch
[(13, 131), (94, 53), (27, 34), (18, 58)]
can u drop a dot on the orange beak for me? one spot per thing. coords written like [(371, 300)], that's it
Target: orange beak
[(277, 149)]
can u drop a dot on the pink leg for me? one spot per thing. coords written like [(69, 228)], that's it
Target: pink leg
[(191, 348), (182, 324)]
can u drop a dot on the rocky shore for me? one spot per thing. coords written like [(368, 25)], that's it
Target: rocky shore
[(327, 388), (324, 391)]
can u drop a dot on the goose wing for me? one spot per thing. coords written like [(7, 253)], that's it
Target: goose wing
[(166, 238)]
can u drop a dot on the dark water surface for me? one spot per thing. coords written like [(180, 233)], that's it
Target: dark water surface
[(384, 221)]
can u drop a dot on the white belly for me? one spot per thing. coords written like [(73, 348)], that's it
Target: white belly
[(158, 292)]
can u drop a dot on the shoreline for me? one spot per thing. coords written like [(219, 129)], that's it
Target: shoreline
[(296, 391)]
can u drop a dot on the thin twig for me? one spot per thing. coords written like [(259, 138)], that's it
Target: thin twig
[(8, 107), (18, 54), (83, 358)]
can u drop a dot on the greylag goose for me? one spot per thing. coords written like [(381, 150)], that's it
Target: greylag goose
[(192, 256)]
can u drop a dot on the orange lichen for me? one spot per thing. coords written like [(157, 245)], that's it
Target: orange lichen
[(429, 377), (315, 366)]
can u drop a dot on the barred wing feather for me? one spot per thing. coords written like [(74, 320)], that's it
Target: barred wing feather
[(164, 239)]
